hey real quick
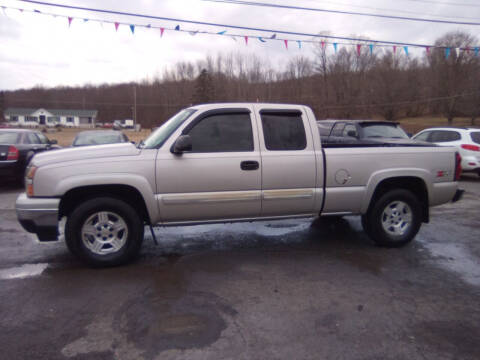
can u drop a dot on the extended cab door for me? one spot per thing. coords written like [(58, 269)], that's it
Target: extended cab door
[(220, 178), (288, 161)]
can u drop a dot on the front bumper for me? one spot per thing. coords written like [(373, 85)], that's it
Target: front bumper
[(38, 216)]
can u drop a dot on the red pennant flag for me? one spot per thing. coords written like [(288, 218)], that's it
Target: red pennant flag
[(323, 44), (116, 26), (286, 43), (70, 21), (427, 49), (246, 40), (359, 47), (394, 49), (161, 31), (467, 49)]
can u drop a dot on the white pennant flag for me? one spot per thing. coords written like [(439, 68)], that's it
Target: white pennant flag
[(457, 51)]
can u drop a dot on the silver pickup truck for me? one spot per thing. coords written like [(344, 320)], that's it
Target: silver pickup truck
[(224, 163)]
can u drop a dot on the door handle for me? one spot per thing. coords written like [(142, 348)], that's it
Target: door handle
[(249, 165)]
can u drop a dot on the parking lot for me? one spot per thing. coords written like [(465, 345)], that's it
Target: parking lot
[(267, 290)]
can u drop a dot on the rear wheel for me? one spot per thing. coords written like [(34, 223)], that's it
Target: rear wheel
[(104, 232), (394, 219)]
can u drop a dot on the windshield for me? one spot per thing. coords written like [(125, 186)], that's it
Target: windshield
[(159, 136), (384, 131), (8, 138), (97, 139)]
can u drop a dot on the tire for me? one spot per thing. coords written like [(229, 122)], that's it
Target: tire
[(394, 219), (104, 232)]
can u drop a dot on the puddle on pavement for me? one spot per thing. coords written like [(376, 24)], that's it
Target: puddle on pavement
[(21, 272), (454, 257)]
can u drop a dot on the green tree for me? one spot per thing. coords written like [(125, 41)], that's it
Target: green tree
[(203, 92)]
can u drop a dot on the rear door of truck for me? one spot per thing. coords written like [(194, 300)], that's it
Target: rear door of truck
[(288, 160)]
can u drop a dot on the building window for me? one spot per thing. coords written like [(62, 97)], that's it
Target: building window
[(14, 118), (69, 119), (31, 119), (53, 119)]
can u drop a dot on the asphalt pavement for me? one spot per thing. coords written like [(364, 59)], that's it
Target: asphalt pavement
[(268, 290)]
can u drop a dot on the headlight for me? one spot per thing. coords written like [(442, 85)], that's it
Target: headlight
[(29, 175)]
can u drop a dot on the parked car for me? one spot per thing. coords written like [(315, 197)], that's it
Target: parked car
[(4, 125), (362, 132), (107, 125), (123, 124), (466, 140), (17, 148), (99, 137), (225, 163)]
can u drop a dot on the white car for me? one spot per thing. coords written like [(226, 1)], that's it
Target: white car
[(466, 140)]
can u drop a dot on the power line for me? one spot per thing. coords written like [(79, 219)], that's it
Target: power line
[(444, 3), (391, 10), (228, 26), (291, 7)]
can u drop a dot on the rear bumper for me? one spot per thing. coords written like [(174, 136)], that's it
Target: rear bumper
[(10, 168), (38, 216), (458, 195)]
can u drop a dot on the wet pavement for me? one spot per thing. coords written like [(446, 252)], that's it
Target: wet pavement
[(268, 290)]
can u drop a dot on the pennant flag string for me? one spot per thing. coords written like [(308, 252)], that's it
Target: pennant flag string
[(467, 50)]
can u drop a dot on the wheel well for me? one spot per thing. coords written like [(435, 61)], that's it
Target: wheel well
[(122, 192), (414, 184)]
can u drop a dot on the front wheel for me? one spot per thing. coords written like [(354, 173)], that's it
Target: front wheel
[(394, 219), (104, 232)]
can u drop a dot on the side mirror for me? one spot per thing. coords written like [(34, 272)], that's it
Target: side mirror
[(53, 142), (352, 133), (182, 144)]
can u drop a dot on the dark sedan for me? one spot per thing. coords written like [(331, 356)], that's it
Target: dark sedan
[(99, 137), (17, 147)]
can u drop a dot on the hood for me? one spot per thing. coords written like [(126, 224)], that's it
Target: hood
[(85, 152)]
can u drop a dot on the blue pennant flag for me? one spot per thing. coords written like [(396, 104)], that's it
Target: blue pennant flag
[(273, 36), (406, 50), (85, 20), (371, 48), (299, 44), (476, 51), (447, 53), (177, 27), (222, 32), (132, 29), (335, 47), (259, 38)]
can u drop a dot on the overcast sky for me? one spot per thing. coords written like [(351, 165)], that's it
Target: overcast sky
[(42, 50)]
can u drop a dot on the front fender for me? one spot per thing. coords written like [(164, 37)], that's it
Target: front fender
[(136, 181)]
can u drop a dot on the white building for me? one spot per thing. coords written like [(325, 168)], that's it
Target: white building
[(50, 117)]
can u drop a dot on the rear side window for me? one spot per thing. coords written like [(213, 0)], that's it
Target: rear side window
[(283, 131), (475, 137), (445, 136), (222, 133), (350, 129), (32, 139)]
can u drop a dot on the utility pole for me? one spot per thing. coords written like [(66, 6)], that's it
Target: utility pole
[(135, 107)]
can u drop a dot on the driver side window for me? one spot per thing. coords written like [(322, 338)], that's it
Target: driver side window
[(222, 133)]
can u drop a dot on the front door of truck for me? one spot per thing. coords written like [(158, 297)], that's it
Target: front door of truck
[(288, 162), (220, 178)]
